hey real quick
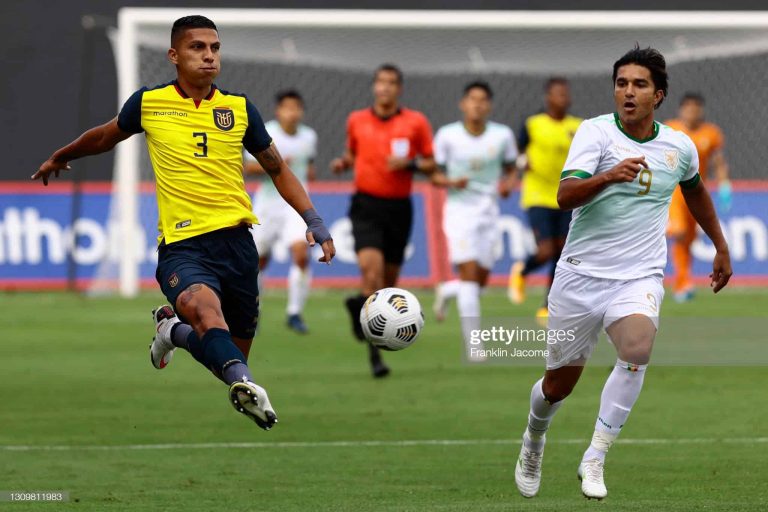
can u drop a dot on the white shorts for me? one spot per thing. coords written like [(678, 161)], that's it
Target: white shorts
[(580, 306), (472, 235), (278, 223)]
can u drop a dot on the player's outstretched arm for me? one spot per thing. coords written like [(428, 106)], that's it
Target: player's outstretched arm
[(575, 192), (343, 163), (96, 140), (294, 194), (700, 205)]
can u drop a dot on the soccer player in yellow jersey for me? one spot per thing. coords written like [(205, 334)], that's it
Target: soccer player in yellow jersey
[(544, 140), (207, 260)]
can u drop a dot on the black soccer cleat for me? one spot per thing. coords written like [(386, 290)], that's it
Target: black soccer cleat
[(354, 304)]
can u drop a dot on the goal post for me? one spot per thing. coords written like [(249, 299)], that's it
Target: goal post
[(331, 53)]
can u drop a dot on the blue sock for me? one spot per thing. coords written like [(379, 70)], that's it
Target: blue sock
[(180, 335), (217, 352)]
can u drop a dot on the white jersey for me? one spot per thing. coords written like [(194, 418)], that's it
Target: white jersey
[(299, 149), (619, 234), (479, 158)]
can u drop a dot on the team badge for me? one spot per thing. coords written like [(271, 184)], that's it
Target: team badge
[(173, 280), (223, 118), (671, 158)]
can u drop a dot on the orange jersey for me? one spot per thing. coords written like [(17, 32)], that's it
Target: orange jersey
[(707, 138), (372, 139)]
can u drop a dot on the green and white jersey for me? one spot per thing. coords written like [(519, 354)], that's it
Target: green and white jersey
[(298, 149), (620, 233), (479, 158)]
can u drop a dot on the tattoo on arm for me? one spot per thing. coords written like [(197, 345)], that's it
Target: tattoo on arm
[(270, 160), (186, 296)]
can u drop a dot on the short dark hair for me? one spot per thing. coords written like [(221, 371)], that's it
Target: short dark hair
[(391, 68), (479, 84), (555, 80), (650, 59), (696, 97), (181, 25), (288, 94)]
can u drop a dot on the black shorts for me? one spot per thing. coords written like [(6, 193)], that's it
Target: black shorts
[(383, 224), (225, 260), (549, 223)]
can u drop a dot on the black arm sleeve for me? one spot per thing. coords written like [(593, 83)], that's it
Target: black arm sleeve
[(129, 118), (256, 138)]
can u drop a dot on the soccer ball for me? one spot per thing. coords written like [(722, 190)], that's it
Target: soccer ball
[(392, 318)]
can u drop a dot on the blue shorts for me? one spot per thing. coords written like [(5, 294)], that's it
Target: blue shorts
[(549, 223), (226, 261)]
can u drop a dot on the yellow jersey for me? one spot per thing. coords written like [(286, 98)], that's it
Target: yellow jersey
[(546, 142), (196, 151)]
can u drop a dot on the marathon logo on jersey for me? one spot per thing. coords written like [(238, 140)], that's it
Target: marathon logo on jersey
[(223, 118), (573, 261), (173, 280), (671, 158), (183, 224)]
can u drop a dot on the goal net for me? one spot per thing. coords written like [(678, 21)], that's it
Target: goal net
[(329, 55)]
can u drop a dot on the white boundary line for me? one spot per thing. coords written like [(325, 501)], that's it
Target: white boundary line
[(366, 444)]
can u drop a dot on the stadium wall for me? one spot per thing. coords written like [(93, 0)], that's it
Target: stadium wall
[(37, 240)]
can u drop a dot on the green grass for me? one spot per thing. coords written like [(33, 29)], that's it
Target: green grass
[(75, 372)]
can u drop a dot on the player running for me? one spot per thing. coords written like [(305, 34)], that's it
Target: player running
[(544, 139), (279, 222), (476, 158), (386, 144), (681, 229), (206, 258), (621, 171)]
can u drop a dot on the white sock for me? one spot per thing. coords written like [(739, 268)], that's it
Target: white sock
[(298, 289), (468, 301), (539, 417), (619, 395), (450, 289)]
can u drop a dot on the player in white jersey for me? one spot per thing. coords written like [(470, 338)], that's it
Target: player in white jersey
[(619, 177), (476, 158), (298, 145)]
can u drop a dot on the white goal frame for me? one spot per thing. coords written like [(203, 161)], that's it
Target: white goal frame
[(126, 170)]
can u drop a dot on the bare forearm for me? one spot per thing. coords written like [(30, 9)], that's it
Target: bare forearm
[(575, 192), (92, 142), (700, 205), (285, 181), (426, 165), (290, 188)]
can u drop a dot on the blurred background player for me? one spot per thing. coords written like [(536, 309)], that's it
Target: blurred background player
[(386, 144), (279, 222), (543, 141), (473, 155), (681, 230)]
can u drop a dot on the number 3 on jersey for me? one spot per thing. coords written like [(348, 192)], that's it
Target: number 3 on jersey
[(645, 178), (203, 144)]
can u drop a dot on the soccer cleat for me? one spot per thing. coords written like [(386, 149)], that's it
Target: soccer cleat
[(590, 473), (684, 296), (161, 349), (542, 314), (440, 306), (378, 368), (251, 400), (295, 323), (516, 286), (528, 471), (354, 305)]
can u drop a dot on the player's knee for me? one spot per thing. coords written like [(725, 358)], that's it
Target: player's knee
[(636, 348), (208, 317)]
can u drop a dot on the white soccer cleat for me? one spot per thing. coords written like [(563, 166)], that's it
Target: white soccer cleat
[(528, 471), (591, 475), (161, 349), (440, 306), (251, 400)]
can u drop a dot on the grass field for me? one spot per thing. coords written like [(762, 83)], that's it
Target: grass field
[(83, 410)]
